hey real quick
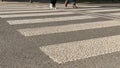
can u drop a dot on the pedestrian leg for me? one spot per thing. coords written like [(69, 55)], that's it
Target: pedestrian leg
[(53, 4), (74, 4), (66, 3)]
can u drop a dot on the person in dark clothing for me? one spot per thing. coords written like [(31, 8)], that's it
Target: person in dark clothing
[(74, 3), (53, 4)]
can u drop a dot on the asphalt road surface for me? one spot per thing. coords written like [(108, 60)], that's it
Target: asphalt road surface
[(34, 36)]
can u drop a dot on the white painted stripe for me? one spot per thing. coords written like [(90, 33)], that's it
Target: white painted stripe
[(30, 21), (82, 9), (10, 6), (89, 6), (26, 11), (117, 14), (17, 7), (67, 28), (106, 10), (23, 9), (97, 8), (77, 50), (35, 14)]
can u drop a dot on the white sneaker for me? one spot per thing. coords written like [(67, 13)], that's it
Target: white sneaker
[(51, 6)]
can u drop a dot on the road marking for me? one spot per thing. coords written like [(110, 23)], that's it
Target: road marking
[(5, 12), (22, 9), (31, 21), (65, 52), (117, 14), (87, 9), (33, 14), (67, 28), (89, 6), (105, 10)]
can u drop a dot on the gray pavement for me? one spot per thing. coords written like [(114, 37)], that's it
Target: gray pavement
[(34, 36)]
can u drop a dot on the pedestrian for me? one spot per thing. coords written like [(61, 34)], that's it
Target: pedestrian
[(53, 4), (74, 3)]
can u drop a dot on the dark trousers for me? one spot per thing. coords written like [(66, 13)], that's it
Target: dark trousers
[(74, 1), (53, 2)]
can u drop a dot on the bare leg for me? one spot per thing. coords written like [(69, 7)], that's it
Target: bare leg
[(66, 2)]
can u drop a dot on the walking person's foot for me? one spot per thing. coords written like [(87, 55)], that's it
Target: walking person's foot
[(74, 6), (51, 6), (54, 8)]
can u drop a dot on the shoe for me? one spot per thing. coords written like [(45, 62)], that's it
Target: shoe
[(66, 4), (54, 7), (51, 6), (74, 6)]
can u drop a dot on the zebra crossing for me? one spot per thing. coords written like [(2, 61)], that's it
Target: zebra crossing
[(114, 12), (100, 35)]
